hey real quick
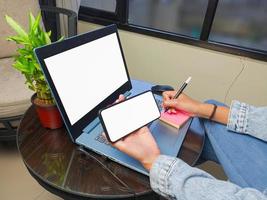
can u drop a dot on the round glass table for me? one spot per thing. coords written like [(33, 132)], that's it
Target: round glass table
[(72, 172)]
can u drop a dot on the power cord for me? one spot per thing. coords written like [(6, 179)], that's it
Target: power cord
[(242, 59), (111, 172)]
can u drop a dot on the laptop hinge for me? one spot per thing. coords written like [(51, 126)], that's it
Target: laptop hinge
[(91, 126), (126, 94)]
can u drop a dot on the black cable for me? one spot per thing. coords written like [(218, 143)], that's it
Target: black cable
[(111, 172)]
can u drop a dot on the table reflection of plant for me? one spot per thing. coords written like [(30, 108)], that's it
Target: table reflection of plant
[(56, 166)]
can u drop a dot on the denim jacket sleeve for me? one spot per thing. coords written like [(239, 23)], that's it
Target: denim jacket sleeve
[(174, 179), (247, 119)]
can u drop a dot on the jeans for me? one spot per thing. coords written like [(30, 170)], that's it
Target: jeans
[(243, 158)]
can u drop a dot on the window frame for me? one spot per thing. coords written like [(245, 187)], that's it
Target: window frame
[(120, 18)]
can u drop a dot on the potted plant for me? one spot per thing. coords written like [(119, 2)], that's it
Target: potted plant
[(27, 64)]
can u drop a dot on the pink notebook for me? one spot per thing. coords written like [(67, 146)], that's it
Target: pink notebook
[(174, 119)]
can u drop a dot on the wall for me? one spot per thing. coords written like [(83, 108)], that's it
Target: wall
[(214, 75)]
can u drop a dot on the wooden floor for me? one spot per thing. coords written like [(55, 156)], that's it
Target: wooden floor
[(15, 181)]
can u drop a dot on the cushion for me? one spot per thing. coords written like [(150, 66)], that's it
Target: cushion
[(15, 96), (18, 10)]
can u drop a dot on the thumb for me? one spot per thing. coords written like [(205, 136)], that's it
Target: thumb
[(121, 97), (119, 145)]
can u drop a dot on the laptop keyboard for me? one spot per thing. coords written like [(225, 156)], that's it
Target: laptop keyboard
[(102, 139)]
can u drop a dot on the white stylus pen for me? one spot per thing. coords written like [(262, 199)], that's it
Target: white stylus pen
[(181, 89)]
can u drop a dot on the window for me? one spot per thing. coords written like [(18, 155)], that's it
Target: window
[(237, 27), (241, 23), (104, 5), (107, 11), (177, 16)]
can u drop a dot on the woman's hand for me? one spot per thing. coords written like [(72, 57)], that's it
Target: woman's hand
[(194, 108), (139, 144), (183, 102)]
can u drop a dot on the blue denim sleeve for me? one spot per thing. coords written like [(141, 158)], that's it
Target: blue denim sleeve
[(174, 179), (247, 119)]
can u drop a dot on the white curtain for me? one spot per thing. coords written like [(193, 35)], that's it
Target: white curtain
[(71, 5)]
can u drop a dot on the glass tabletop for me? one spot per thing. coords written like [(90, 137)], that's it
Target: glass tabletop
[(53, 159)]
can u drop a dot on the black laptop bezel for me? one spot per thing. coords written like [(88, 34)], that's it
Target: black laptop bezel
[(44, 52)]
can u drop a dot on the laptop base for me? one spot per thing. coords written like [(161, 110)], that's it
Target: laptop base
[(168, 139)]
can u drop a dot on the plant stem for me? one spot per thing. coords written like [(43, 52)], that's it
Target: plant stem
[(46, 97)]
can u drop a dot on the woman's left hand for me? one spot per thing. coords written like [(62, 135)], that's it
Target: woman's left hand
[(139, 144)]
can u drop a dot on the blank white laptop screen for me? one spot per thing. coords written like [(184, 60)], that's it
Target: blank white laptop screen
[(86, 75)]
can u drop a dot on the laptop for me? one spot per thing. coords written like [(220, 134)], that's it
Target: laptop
[(87, 73)]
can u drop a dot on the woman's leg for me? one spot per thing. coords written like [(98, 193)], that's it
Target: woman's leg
[(243, 158), (208, 153)]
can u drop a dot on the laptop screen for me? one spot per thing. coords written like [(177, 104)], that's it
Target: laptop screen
[(86, 75)]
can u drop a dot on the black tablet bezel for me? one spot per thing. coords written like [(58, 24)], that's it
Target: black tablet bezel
[(44, 52), (104, 126)]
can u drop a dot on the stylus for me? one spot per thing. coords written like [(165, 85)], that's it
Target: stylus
[(181, 90)]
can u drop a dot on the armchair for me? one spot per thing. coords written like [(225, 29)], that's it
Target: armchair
[(14, 94)]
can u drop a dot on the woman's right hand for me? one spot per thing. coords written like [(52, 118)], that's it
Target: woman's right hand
[(195, 108), (183, 102)]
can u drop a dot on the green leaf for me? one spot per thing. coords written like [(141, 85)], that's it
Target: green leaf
[(29, 56), (16, 27), (35, 42), (37, 66), (30, 86), (18, 40), (23, 52), (49, 33), (42, 38), (42, 77), (21, 67), (29, 82), (60, 39), (47, 37), (31, 67), (31, 21), (24, 65), (36, 23)]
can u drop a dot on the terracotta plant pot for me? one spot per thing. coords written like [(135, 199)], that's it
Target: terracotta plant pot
[(48, 114)]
